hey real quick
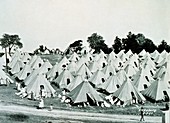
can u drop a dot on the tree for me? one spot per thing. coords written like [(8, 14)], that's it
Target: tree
[(96, 42), (74, 47), (9, 42), (149, 46), (77, 45), (117, 46), (131, 43), (163, 46)]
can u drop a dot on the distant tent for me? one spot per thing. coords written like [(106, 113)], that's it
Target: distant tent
[(159, 72), (75, 82), (88, 56), (155, 54), (84, 50), (63, 62), (31, 76), (13, 61), (109, 70), (72, 67), (141, 81), (94, 66), (4, 79), (164, 54), (37, 63), (84, 72), (17, 67), (24, 72), (142, 53), (64, 79), (82, 61), (34, 86), (111, 84), (156, 90), (130, 70), (128, 93), (54, 72), (129, 53), (122, 75), (158, 59), (97, 78), (84, 92), (26, 58), (102, 62), (112, 56), (32, 60), (117, 63), (17, 53), (74, 57), (46, 66)]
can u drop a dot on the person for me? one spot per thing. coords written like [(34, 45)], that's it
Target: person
[(42, 91), (22, 92), (142, 114), (41, 104), (51, 107)]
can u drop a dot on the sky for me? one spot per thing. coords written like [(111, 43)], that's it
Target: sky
[(57, 23)]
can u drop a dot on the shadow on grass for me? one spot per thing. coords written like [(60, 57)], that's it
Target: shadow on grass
[(18, 117)]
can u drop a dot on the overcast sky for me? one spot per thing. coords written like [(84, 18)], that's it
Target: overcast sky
[(57, 23)]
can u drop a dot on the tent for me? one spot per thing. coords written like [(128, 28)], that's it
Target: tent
[(46, 66), (37, 63), (72, 67), (111, 84), (74, 57), (75, 82), (21, 75), (64, 79), (94, 66), (84, 72), (34, 86), (140, 81), (156, 90), (84, 92), (97, 78), (128, 93), (17, 67), (31, 76)]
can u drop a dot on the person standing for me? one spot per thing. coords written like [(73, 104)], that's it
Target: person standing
[(142, 114), (41, 104)]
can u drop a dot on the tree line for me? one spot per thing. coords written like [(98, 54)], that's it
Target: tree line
[(134, 42)]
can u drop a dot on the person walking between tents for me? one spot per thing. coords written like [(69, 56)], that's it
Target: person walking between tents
[(142, 114)]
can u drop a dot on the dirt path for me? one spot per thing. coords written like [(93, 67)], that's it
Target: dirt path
[(76, 115)]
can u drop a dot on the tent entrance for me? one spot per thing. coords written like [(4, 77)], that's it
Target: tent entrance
[(90, 100)]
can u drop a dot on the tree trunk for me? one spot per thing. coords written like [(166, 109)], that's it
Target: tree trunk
[(6, 58)]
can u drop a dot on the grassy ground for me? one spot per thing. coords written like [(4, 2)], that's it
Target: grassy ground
[(8, 96)]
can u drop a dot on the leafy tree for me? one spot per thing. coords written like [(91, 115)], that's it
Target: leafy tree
[(96, 42), (10, 42), (77, 45), (74, 47), (163, 46), (149, 46), (130, 43), (117, 46)]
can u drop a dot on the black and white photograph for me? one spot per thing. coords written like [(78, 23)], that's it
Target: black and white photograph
[(84, 61)]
